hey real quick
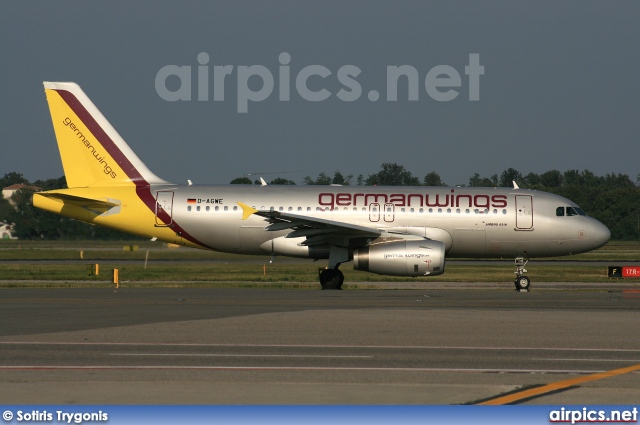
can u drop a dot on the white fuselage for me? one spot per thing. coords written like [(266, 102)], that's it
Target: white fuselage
[(471, 222)]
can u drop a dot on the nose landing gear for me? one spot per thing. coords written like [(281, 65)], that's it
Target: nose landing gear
[(522, 282)]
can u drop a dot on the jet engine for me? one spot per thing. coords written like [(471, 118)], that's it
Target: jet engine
[(401, 258)]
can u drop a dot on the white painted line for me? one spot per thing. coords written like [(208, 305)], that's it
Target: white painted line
[(239, 355), (302, 368), (394, 347)]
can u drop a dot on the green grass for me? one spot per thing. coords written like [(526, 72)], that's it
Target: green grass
[(119, 250), (195, 274), (204, 268)]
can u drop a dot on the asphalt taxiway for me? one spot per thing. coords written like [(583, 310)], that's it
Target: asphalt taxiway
[(439, 344)]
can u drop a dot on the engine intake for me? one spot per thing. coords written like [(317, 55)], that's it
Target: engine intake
[(401, 258)]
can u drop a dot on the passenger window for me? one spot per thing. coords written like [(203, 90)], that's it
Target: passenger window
[(560, 211), (226, 208), (189, 208), (198, 208), (207, 208)]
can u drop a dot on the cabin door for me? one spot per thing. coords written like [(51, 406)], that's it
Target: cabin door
[(164, 208), (524, 212)]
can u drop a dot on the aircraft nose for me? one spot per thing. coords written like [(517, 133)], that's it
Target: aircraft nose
[(599, 233)]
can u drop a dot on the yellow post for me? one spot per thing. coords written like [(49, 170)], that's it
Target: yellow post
[(264, 269), (93, 269), (116, 280), (82, 255)]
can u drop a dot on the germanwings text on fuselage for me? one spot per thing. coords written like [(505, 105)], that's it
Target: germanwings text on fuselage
[(452, 200)]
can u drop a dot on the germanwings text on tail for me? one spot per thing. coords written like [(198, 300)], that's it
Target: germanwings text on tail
[(399, 231)]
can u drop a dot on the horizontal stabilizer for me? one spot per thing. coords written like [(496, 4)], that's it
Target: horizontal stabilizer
[(80, 201)]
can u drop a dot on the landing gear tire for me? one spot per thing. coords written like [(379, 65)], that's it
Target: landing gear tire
[(331, 279), (522, 284)]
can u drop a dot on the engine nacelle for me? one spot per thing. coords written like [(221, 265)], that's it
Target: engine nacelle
[(401, 258)]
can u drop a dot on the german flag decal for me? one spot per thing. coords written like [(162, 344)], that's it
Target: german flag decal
[(191, 201)]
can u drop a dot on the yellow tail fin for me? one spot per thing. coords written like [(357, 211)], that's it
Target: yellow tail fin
[(92, 151)]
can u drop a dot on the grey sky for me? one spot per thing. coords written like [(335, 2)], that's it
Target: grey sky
[(560, 88)]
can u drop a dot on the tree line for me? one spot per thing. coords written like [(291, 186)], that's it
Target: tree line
[(614, 199)]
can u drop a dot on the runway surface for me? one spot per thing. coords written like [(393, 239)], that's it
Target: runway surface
[(438, 344)]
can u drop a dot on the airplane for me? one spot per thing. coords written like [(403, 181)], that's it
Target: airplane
[(398, 231)]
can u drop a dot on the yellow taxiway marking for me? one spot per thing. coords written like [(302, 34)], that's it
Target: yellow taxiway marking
[(555, 386)]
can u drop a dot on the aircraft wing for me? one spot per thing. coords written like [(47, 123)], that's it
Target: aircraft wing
[(318, 231)]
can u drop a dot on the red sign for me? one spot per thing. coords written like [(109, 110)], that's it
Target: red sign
[(631, 271)]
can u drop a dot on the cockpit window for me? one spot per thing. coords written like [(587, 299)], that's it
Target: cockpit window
[(568, 211)]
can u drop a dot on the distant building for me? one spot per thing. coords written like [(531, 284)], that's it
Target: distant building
[(5, 231), (7, 192)]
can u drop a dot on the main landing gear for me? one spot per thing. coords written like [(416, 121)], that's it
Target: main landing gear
[(331, 279), (522, 282)]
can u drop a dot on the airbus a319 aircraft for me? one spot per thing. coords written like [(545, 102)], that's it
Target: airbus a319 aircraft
[(398, 231)]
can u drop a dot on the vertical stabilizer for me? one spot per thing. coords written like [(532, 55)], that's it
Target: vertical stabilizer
[(92, 151)]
